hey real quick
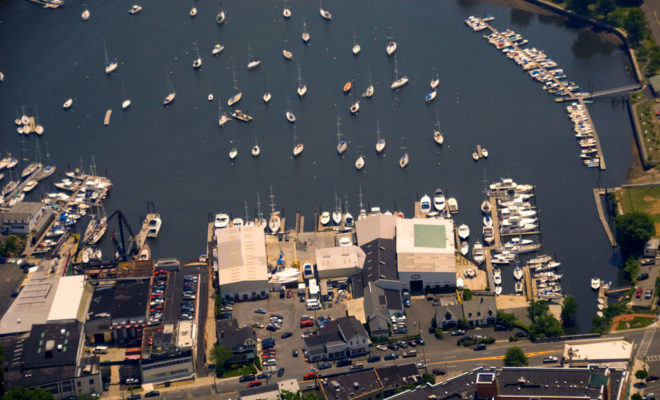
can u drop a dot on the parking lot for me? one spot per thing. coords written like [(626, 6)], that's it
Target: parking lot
[(646, 284)]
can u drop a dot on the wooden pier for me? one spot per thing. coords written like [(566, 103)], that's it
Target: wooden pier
[(497, 240), (106, 119), (570, 97)]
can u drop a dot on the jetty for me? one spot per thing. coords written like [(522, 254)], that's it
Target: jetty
[(601, 215)]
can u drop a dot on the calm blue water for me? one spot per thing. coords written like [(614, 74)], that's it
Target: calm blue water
[(177, 156)]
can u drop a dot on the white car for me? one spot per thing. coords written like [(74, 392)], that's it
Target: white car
[(221, 221), (345, 241), (381, 347)]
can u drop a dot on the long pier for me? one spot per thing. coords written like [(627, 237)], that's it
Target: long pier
[(601, 216), (570, 96)]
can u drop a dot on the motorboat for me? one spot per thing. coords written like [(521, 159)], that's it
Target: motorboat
[(356, 49), (169, 98), (459, 283), (498, 290), (518, 273), (197, 63), (233, 153), (193, 11), (223, 119), (470, 273), (308, 271), (237, 222), (135, 9), (125, 104), (325, 14), (210, 97), (286, 13), (391, 47), (403, 161), (305, 34), (478, 255), (302, 89), (85, 15), (452, 205), (595, 283), (235, 98), (290, 117), (430, 96), (67, 104), (355, 107), (485, 206), (241, 116), (267, 97), (325, 218), (255, 151), (475, 156), (221, 221), (349, 222), (484, 152), (144, 253), (253, 63), (497, 276), (369, 92), (154, 225), (287, 54), (347, 87), (463, 231), (439, 200), (359, 163), (425, 204), (297, 149), (220, 17), (434, 82), (465, 248), (274, 222), (518, 287), (438, 138), (217, 49), (487, 220)]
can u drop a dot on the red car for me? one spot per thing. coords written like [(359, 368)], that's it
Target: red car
[(288, 294), (254, 384), (638, 294), (309, 376), (306, 323)]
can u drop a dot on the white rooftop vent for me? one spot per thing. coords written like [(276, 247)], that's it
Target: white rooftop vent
[(62, 331), (356, 385), (59, 347)]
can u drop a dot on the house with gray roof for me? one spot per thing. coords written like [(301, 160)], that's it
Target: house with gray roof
[(382, 300), (341, 338), (241, 341)]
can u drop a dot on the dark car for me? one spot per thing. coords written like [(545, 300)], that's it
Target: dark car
[(480, 346), (420, 342), (282, 294), (263, 376), (294, 352), (271, 328), (391, 356), (302, 299), (643, 276), (343, 362), (134, 396), (373, 359), (246, 378), (652, 378), (393, 346), (438, 371), (522, 334), (267, 343), (280, 372), (325, 365), (286, 335), (153, 393), (458, 332)]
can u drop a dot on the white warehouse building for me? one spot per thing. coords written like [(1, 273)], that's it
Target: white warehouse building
[(242, 268), (425, 253)]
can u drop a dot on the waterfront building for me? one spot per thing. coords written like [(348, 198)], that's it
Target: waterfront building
[(339, 262), (26, 217)]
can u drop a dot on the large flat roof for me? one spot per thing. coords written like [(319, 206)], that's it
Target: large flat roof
[(241, 254), (32, 304), (598, 350), (380, 226), (425, 245), (343, 257), (68, 297)]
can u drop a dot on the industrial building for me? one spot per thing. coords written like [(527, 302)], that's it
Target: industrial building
[(425, 251), (375, 236), (339, 262), (241, 264)]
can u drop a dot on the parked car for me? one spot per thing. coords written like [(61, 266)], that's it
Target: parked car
[(134, 396), (550, 359), (392, 346), (391, 356), (373, 359), (403, 344), (652, 378), (522, 334), (294, 353), (325, 365), (438, 371), (286, 335), (643, 276), (254, 384), (260, 311), (309, 376), (152, 393), (480, 346), (648, 294), (420, 342), (638, 293), (458, 332), (246, 378), (381, 347), (280, 372), (343, 362)]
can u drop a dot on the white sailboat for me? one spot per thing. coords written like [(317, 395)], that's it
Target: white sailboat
[(398, 81), (286, 13), (403, 161), (217, 49), (67, 104), (305, 34), (435, 81), (297, 147), (197, 62), (221, 16), (355, 107), (356, 46), (380, 142), (325, 14), (369, 92), (359, 163), (286, 53), (222, 117), (193, 11), (171, 95), (274, 222), (289, 115), (437, 135), (236, 97), (135, 9), (391, 44), (336, 213), (267, 96), (253, 62), (302, 88), (233, 153), (342, 143), (255, 149), (110, 66), (85, 15)]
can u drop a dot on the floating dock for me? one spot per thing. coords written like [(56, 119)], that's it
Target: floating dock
[(106, 120)]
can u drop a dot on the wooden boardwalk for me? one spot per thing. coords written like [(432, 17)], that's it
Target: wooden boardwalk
[(601, 215), (497, 242), (570, 96)]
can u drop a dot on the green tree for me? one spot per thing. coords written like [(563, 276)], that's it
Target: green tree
[(506, 319), (604, 8), (579, 6), (632, 269), (635, 228), (437, 332), (428, 378), (219, 355), (600, 324), (636, 396), (537, 309), (21, 393), (462, 324), (546, 326), (515, 357), (568, 310), (641, 374), (467, 294)]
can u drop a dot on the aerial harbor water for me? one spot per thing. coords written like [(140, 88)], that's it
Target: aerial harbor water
[(177, 156)]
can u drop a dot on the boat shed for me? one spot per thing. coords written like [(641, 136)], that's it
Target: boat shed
[(425, 251), (242, 265), (71, 300), (339, 262)]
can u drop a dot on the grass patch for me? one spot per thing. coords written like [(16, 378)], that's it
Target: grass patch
[(650, 128), (641, 199), (239, 371), (637, 322)]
